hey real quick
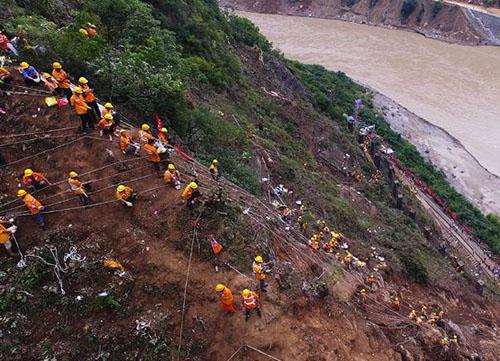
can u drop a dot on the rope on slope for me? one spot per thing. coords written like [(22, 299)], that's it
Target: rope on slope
[(35, 139), (35, 133)]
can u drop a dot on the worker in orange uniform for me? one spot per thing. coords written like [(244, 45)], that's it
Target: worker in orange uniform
[(33, 205), (190, 193), (226, 298), (164, 137), (250, 301), (50, 82), (62, 79), (82, 109), (109, 109), (90, 98), (107, 126), (127, 144), (153, 155), (6, 234), (5, 77), (259, 270), (91, 30), (34, 180), (145, 134), (126, 195), (172, 176), (78, 187), (214, 169)]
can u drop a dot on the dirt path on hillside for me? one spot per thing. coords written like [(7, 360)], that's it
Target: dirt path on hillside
[(443, 150), (486, 10)]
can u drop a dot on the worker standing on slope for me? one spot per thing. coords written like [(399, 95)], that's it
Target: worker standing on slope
[(259, 270), (214, 169), (153, 156), (33, 205), (172, 176), (109, 109), (144, 134), (5, 78), (78, 187), (6, 234), (250, 301), (34, 180), (127, 144), (82, 109), (126, 195), (107, 126), (164, 137), (30, 74), (90, 98), (5, 44), (190, 193), (50, 82), (62, 79), (225, 297)]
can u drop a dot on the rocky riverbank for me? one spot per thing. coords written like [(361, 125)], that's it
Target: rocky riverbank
[(462, 169)]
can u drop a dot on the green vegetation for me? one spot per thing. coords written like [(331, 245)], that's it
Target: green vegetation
[(436, 8), (408, 8), (323, 84)]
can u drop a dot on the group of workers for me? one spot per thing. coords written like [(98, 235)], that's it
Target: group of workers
[(250, 300)]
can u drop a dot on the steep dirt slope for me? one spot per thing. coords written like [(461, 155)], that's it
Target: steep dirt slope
[(153, 242), (450, 23)]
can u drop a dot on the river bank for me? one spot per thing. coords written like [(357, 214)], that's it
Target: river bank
[(444, 151)]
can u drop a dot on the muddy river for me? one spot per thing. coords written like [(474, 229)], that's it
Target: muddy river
[(455, 87)]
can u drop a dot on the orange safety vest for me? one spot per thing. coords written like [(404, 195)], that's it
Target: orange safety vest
[(163, 138), (32, 204), (169, 175), (144, 136), (76, 186), (105, 123), (125, 140), (4, 234), (4, 73), (186, 193), (152, 153), (37, 177), (89, 93), (62, 78), (257, 270), (226, 296), (250, 302), (123, 196), (216, 246), (79, 104), (91, 32)]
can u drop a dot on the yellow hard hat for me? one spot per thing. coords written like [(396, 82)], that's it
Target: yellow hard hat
[(215, 161), (193, 185), (73, 174), (220, 287), (21, 193), (245, 292), (171, 166), (78, 90), (28, 172), (259, 259), (145, 127), (108, 106), (120, 188), (108, 116), (83, 32), (57, 65), (46, 75), (25, 65), (164, 130), (122, 131), (83, 80)]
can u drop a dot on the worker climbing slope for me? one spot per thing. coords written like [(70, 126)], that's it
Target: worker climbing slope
[(82, 109), (62, 79), (225, 298), (190, 193), (33, 205), (78, 187), (259, 270), (126, 195), (250, 302), (34, 180)]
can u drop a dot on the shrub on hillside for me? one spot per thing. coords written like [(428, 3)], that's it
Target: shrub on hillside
[(407, 8), (244, 31), (436, 8)]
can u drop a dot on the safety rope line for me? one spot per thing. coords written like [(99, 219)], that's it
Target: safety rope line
[(38, 138), (34, 133), (195, 236), (28, 88)]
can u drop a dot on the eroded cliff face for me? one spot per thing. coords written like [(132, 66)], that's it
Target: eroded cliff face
[(441, 21)]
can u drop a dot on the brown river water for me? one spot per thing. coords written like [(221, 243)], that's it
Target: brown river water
[(454, 87)]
